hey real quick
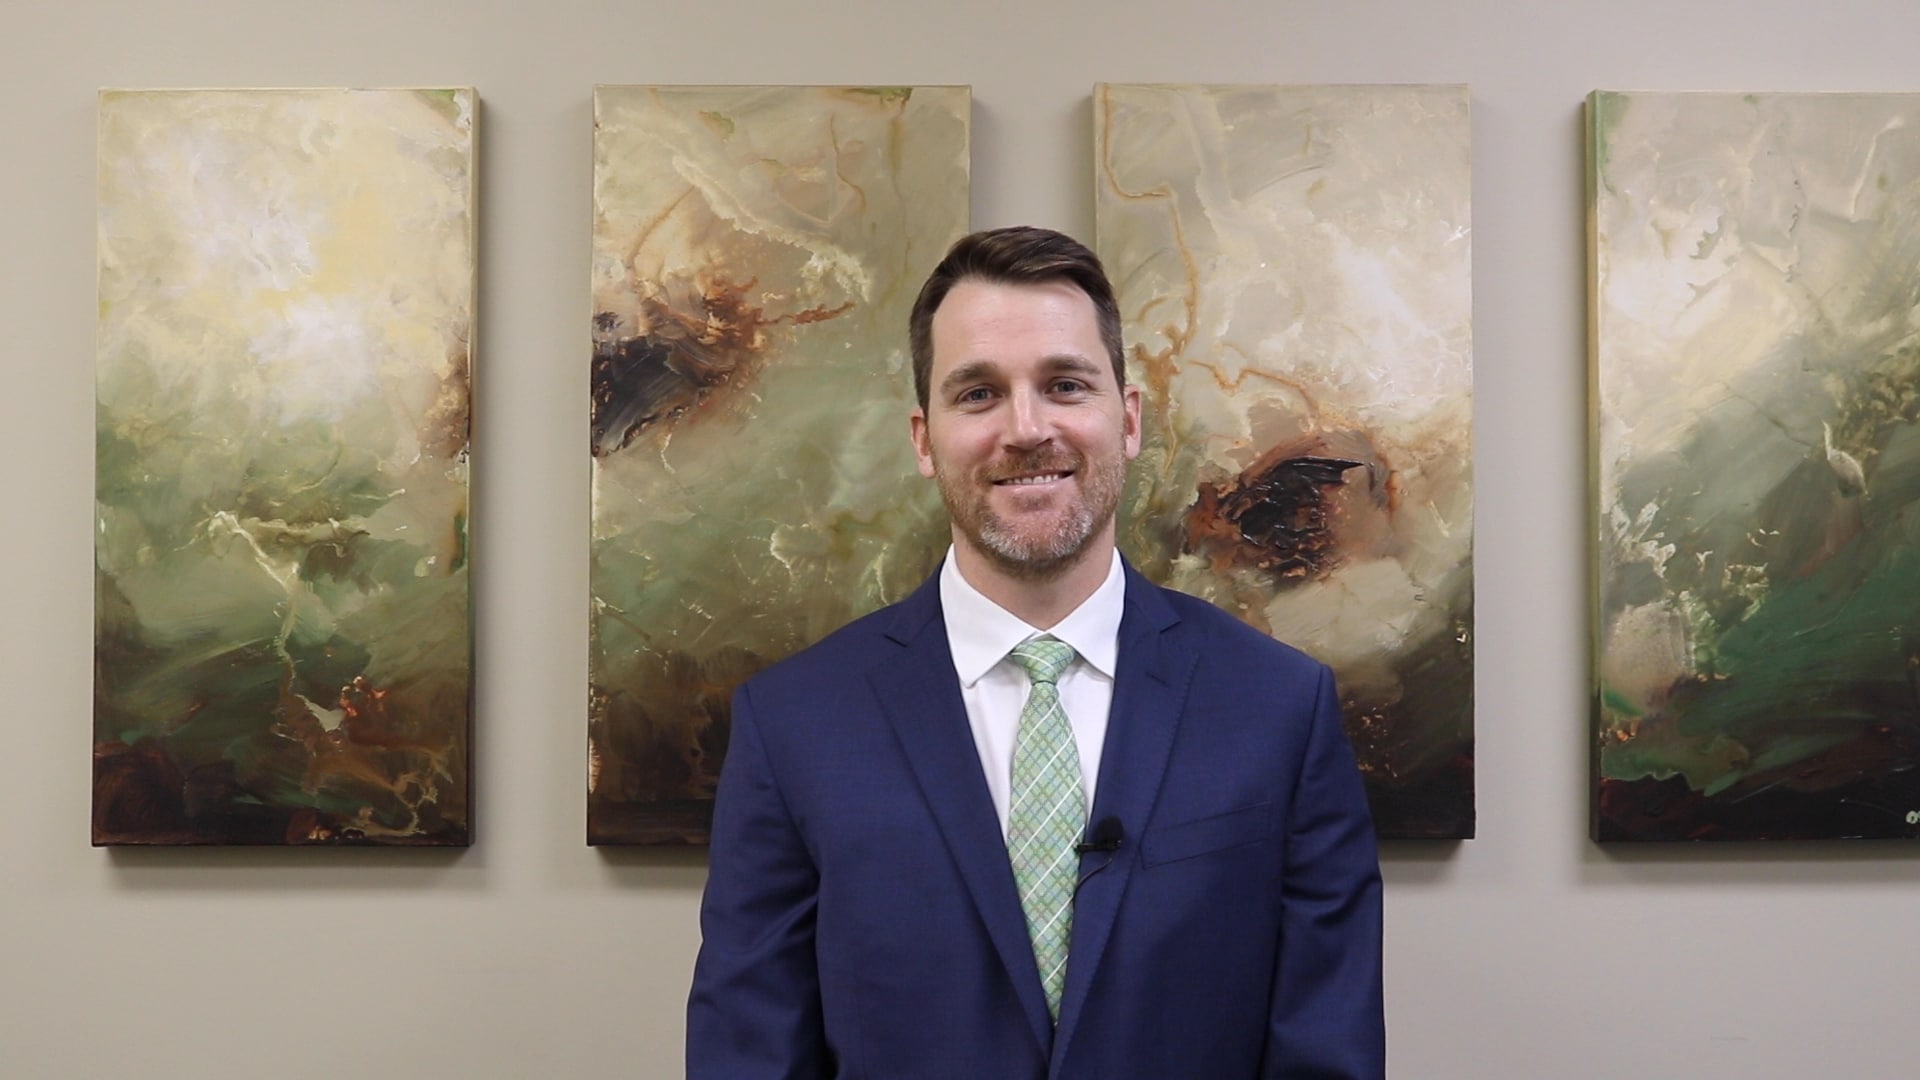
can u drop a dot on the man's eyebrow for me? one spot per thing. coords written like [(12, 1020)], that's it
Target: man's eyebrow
[(1052, 365), (968, 372), (1071, 362)]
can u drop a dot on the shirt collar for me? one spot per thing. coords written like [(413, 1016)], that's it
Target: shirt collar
[(981, 633)]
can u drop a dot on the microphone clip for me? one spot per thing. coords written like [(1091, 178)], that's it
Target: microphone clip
[(1105, 836)]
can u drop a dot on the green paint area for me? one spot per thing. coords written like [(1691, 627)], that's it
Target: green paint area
[(1604, 113), (1615, 702), (1816, 661)]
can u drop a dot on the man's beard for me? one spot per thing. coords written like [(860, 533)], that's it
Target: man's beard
[(1026, 557)]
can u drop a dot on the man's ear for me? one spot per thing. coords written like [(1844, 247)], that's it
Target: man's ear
[(922, 449), (1130, 430)]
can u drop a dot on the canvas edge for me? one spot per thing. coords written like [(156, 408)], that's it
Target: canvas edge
[(1596, 515)]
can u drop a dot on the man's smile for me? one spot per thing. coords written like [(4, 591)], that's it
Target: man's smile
[(1029, 479)]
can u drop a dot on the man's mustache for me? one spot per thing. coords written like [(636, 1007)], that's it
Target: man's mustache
[(1027, 464)]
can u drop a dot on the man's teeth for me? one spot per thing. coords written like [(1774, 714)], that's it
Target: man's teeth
[(1043, 478)]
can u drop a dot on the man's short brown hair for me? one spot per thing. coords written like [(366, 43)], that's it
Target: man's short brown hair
[(1016, 255)]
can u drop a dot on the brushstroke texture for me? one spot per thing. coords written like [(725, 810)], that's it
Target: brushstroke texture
[(286, 294), (1757, 465), (756, 251), (1294, 271)]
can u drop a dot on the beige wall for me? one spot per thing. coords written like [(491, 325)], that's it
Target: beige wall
[(1526, 953)]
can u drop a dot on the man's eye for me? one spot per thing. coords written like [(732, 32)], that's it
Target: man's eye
[(977, 394), (1068, 386)]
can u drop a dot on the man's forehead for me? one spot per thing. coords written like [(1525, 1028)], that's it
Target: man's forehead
[(977, 313), (981, 291)]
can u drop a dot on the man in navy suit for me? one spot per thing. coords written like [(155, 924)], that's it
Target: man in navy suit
[(1042, 818)]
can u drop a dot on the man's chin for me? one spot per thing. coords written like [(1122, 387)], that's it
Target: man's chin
[(1043, 501), (1030, 558)]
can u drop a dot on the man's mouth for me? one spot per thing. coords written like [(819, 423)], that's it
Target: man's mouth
[(1029, 479)]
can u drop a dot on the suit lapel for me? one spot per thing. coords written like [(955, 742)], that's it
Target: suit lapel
[(1152, 674), (921, 697)]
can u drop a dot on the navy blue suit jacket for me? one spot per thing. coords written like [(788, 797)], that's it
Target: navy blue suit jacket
[(861, 921)]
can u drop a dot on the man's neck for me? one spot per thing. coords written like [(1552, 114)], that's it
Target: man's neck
[(1039, 602)]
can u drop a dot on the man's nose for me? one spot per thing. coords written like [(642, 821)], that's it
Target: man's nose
[(1027, 420)]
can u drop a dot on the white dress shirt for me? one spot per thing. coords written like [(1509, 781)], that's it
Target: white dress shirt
[(981, 633)]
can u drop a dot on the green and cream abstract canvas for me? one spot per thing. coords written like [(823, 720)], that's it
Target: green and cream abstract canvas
[(286, 294), (1294, 270), (756, 252), (1756, 445)]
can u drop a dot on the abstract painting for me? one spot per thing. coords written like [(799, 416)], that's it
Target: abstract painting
[(756, 252), (1294, 268), (1756, 445), (282, 647)]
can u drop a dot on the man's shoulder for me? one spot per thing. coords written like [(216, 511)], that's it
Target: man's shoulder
[(848, 652), (1231, 642)]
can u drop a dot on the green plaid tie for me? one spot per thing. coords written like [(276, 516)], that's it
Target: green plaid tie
[(1047, 812)]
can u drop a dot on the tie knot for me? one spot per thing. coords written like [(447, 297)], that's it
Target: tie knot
[(1043, 658)]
